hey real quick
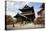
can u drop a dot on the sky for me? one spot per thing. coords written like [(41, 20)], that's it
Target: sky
[(14, 6)]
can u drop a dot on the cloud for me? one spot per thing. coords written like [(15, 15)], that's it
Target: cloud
[(14, 7)]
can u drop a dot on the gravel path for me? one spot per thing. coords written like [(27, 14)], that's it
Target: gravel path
[(26, 26)]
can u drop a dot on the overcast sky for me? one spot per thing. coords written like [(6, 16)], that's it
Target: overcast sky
[(14, 6)]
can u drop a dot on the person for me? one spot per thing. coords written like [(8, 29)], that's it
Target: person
[(13, 24)]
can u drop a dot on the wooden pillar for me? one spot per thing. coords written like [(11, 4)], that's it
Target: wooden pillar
[(22, 21)]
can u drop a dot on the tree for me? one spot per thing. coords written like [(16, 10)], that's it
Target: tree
[(9, 19)]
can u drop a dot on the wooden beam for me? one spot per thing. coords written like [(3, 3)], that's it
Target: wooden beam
[(28, 14)]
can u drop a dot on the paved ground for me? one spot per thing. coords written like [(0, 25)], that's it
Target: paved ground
[(26, 26)]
